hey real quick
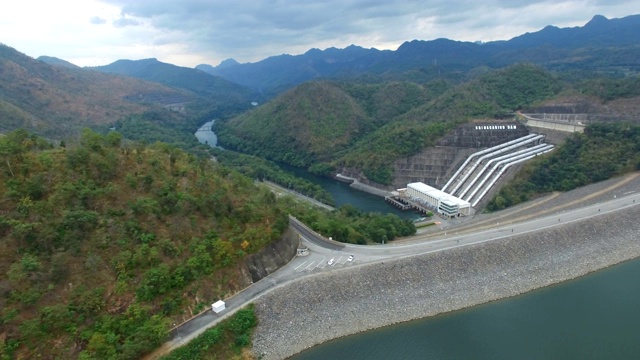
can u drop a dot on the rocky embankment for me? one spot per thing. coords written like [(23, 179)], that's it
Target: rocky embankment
[(329, 305)]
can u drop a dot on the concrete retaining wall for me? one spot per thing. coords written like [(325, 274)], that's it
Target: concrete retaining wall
[(272, 257), (557, 126)]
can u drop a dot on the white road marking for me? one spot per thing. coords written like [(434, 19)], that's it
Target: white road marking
[(307, 268), (297, 267)]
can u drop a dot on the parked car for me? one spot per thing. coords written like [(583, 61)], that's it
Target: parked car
[(331, 262), (350, 258)]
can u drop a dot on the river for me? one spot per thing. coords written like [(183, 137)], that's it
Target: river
[(207, 137), (592, 317)]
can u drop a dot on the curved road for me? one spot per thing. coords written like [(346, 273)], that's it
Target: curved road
[(322, 250)]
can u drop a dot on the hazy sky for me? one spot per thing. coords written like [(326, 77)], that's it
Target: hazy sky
[(191, 32)]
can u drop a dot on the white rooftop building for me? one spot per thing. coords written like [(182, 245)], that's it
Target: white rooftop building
[(438, 200)]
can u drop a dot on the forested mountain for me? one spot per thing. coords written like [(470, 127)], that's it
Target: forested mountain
[(57, 101), (104, 245), (193, 80), (306, 124), (56, 61), (610, 46), (368, 126)]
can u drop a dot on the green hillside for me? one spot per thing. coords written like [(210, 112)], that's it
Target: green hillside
[(491, 95), (57, 102), (367, 126), (103, 246), (192, 80), (307, 124)]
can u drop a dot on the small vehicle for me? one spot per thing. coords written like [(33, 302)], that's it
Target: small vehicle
[(350, 258), (330, 262)]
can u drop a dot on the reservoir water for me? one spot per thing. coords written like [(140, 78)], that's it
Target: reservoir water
[(594, 317)]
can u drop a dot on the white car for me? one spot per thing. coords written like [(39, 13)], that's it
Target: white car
[(330, 262), (350, 258)]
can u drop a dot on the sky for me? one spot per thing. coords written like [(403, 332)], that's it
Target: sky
[(192, 32)]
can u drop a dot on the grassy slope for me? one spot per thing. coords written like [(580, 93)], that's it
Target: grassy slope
[(317, 121)]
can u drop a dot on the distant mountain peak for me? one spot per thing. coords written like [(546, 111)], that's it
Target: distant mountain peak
[(313, 51), (56, 61), (597, 20), (149, 60), (551, 46), (228, 63)]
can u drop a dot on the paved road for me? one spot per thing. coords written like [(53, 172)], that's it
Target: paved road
[(322, 250)]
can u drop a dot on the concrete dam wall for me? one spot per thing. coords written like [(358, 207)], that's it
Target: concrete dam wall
[(434, 166)]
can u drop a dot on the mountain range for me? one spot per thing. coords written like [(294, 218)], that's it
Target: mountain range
[(193, 80), (53, 96), (57, 101), (609, 45)]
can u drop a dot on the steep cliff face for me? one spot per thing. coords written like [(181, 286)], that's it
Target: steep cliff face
[(272, 257)]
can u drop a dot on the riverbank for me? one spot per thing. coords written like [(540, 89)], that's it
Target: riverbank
[(281, 190), (354, 183), (329, 305)]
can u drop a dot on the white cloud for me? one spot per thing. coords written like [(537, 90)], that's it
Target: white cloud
[(96, 20), (124, 22), (189, 32)]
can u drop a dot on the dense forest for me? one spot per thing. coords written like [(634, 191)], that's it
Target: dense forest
[(603, 151), (262, 169), (104, 245), (350, 225)]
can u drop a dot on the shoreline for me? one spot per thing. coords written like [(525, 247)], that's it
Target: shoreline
[(356, 184), (349, 301)]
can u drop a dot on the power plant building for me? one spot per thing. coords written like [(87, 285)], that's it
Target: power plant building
[(439, 201)]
